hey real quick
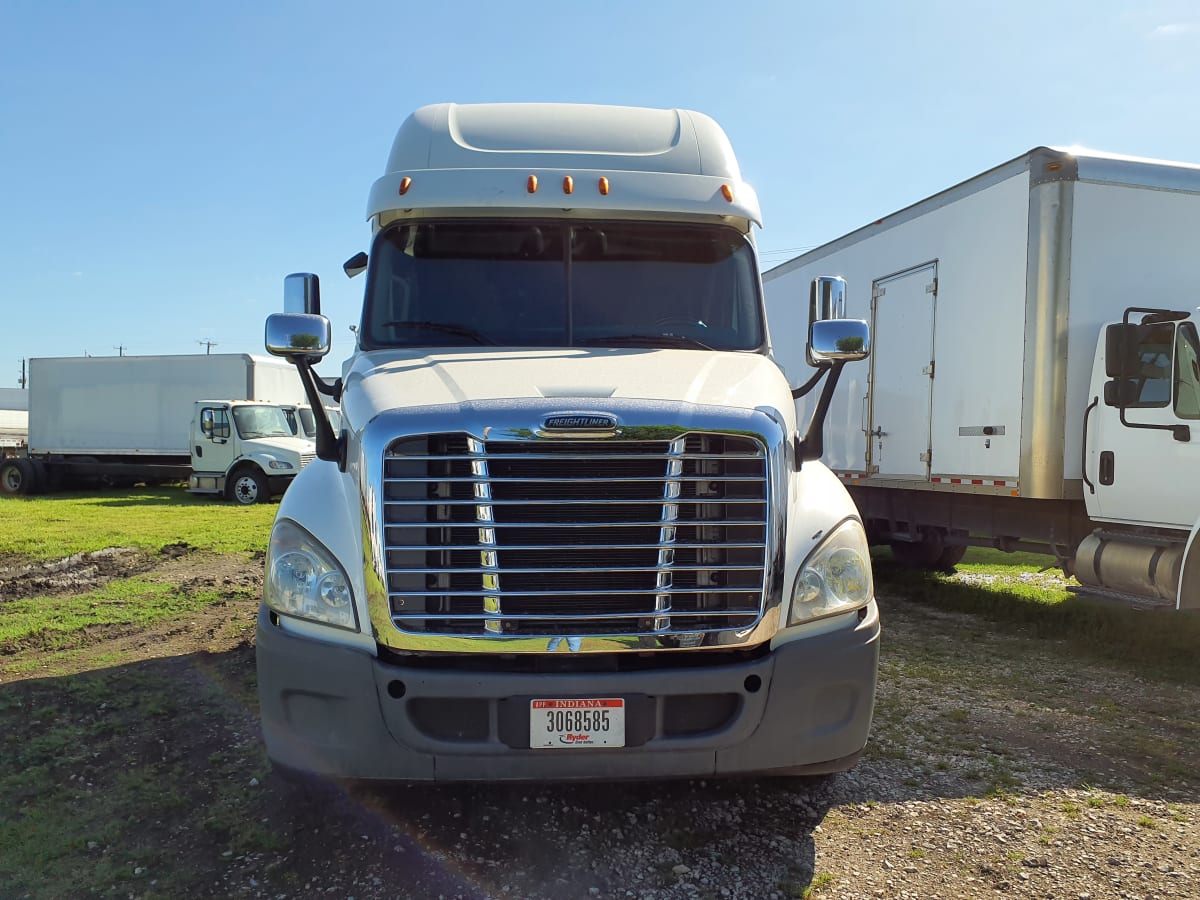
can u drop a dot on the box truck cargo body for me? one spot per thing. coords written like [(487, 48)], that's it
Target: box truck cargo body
[(127, 419), (999, 309), (141, 405), (570, 526)]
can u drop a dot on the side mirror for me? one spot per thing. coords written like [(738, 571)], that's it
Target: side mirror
[(1121, 392), (830, 340), (355, 265), (206, 423), (1121, 356), (302, 293), (297, 335)]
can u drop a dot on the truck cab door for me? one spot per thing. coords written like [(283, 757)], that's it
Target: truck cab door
[(1138, 474), (214, 444)]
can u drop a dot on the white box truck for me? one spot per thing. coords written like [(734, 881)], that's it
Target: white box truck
[(571, 526), (125, 419), (14, 420), (1034, 380)]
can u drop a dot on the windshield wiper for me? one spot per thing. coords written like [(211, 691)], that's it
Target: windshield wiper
[(644, 340), (444, 328)]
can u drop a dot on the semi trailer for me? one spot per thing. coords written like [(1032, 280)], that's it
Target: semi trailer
[(1034, 382), (570, 526)]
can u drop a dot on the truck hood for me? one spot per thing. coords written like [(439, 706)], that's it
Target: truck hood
[(384, 380), (280, 445)]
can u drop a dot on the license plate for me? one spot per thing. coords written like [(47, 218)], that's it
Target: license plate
[(586, 722)]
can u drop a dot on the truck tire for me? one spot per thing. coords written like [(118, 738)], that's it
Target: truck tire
[(16, 477), (931, 553), (248, 486)]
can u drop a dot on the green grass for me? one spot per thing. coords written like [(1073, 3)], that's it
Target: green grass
[(1155, 643), (92, 795), (55, 622), (58, 525)]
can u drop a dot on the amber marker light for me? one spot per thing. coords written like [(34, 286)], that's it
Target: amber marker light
[(604, 186), (531, 184), (727, 192), (405, 184), (568, 184)]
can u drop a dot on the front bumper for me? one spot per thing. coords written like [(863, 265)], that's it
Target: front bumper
[(805, 708)]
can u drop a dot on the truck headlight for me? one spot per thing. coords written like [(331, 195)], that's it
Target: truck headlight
[(304, 580), (280, 464), (836, 577)]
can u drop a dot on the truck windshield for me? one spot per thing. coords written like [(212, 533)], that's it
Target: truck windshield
[(261, 421), (554, 284)]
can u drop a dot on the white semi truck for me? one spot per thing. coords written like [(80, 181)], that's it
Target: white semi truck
[(1034, 381), (127, 419), (570, 527)]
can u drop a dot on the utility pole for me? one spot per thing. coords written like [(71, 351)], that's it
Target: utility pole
[(120, 350), (208, 345), (21, 380)]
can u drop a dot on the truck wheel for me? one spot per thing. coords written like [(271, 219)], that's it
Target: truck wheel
[(931, 553), (248, 486), (16, 477)]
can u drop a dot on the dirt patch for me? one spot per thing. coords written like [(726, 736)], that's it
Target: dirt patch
[(72, 574)]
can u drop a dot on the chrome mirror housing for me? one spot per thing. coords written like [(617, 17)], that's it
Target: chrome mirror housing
[(302, 293), (293, 335)]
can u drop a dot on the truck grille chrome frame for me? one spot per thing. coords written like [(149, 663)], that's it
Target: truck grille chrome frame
[(664, 533)]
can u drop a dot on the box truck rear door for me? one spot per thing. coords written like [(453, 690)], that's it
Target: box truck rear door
[(902, 372)]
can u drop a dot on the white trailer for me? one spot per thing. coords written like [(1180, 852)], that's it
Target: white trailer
[(1033, 381), (130, 418)]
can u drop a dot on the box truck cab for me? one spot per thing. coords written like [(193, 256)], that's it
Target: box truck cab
[(303, 423), (571, 526), (245, 451)]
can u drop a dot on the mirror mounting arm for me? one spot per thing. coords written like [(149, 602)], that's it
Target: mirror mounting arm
[(330, 447), (812, 445), (801, 391), (329, 388)]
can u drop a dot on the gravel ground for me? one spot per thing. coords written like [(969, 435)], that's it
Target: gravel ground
[(999, 766)]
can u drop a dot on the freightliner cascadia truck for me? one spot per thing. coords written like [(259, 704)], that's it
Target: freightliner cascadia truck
[(1035, 381), (570, 526)]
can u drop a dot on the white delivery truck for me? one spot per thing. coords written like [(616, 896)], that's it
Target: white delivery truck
[(1034, 380), (121, 420), (14, 420), (570, 527)]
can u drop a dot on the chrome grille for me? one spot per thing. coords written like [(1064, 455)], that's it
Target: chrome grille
[(575, 537), (306, 458)]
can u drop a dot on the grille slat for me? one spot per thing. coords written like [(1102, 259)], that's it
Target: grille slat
[(561, 537)]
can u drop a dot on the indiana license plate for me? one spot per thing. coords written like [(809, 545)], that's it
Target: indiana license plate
[(582, 722)]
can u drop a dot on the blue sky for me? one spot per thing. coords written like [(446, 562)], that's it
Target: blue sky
[(162, 166)]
